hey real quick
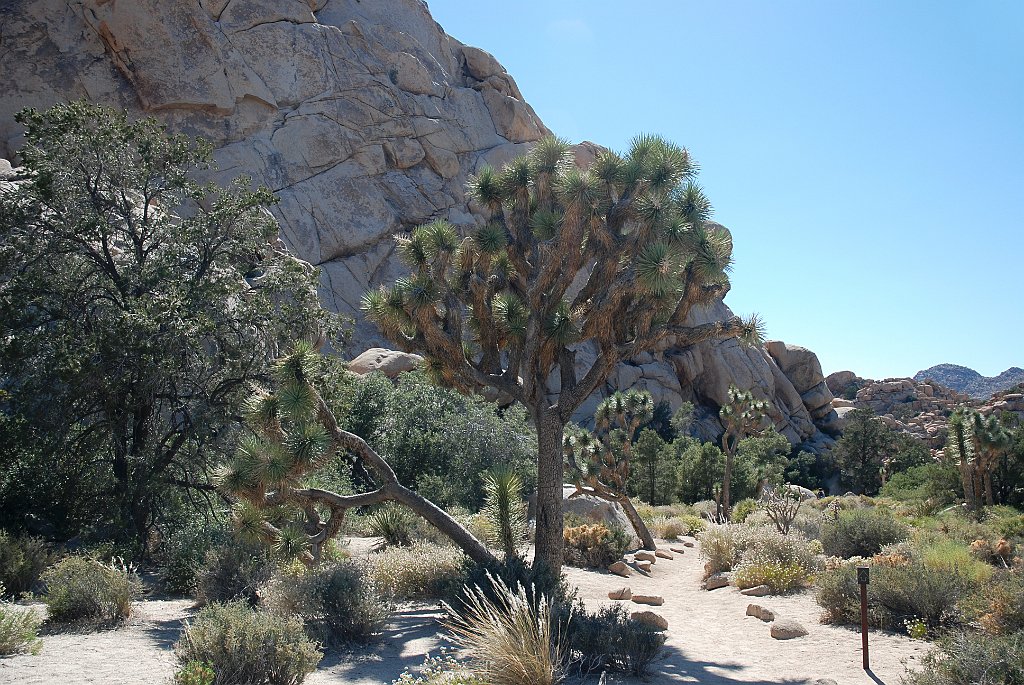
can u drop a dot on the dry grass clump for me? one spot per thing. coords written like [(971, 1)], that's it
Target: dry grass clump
[(512, 637), (421, 571), (19, 629), (673, 528)]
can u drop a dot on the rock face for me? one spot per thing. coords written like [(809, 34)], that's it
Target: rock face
[(366, 119), (388, 362), (970, 382)]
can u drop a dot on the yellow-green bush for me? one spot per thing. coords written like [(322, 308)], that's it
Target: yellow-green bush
[(675, 527), (87, 591), (422, 571), (780, 577), (244, 646), (22, 561), (861, 532), (19, 629)]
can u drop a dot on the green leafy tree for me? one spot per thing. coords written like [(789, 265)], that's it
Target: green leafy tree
[(600, 462), (869, 452), (137, 305), (701, 467), (655, 474), (497, 309), (742, 416)]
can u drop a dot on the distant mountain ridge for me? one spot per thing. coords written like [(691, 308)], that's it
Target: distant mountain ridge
[(969, 381)]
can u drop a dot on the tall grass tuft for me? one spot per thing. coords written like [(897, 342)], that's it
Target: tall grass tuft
[(512, 637)]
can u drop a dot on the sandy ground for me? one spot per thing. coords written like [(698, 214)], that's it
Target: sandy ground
[(710, 640)]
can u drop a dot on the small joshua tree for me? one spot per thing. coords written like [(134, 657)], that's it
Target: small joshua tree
[(599, 462), (742, 417), (782, 505), (617, 256), (506, 515), (294, 433)]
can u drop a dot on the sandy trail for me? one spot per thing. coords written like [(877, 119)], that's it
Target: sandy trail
[(710, 640)]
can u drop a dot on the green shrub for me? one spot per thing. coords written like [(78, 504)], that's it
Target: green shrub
[(779, 577), (19, 629), (231, 571), (538, 581), (337, 603), (247, 647), (84, 590), (1002, 605), (966, 658), (441, 670), (672, 528), (183, 555), (195, 673), (422, 571), (1011, 527), (393, 524), (22, 561), (720, 548), (861, 532), (610, 639), (743, 509), (594, 545)]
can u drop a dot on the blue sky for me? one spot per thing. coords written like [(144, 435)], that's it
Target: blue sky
[(868, 156)]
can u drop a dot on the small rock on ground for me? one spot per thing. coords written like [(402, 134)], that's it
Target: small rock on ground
[(644, 566), (645, 556), (756, 591), (620, 568), (651, 619), (678, 550), (653, 600), (715, 581), (766, 615), (664, 554), (621, 593), (787, 629)]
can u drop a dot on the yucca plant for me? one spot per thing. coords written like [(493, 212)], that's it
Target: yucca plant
[(504, 510), (392, 525), (293, 433), (495, 307), (599, 461), (742, 416), (512, 637)]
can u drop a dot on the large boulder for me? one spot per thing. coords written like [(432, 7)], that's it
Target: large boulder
[(388, 362), (597, 510)]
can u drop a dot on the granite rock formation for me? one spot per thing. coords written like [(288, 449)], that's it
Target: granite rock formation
[(970, 382)]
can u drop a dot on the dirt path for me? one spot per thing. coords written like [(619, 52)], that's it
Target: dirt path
[(712, 641)]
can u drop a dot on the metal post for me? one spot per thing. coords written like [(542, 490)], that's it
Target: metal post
[(862, 578)]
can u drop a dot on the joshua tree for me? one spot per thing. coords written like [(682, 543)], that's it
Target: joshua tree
[(742, 416), (962, 449), (617, 256), (994, 441), (606, 454), (293, 433)]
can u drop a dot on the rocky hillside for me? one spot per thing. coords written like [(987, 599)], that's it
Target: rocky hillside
[(969, 381), (366, 119)]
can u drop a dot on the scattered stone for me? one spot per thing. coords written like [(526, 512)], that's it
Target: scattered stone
[(758, 611), (688, 541), (756, 591), (621, 593), (678, 550), (651, 619), (787, 629), (645, 556), (653, 600), (664, 554), (823, 681), (644, 566), (620, 568), (715, 581)]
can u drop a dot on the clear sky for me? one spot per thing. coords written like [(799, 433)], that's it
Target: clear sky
[(868, 156)]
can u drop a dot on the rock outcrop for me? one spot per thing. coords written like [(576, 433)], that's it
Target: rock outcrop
[(366, 119), (970, 382)]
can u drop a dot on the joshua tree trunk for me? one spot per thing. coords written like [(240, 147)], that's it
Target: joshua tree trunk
[(638, 524), (550, 476), (723, 510), (989, 499)]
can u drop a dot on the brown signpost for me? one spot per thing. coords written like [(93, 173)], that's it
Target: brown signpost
[(863, 573)]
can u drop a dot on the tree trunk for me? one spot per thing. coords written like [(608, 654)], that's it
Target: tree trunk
[(989, 500), (550, 474), (441, 520), (638, 524), (726, 487)]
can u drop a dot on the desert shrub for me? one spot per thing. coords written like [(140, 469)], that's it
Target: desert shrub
[(767, 557), (957, 525), (511, 635), (779, 577), (22, 561), (861, 532), (1011, 527), (706, 509), (968, 659), (537, 581), (807, 523), (610, 639), (19, 629), (743, 509), (247, 647), (183, 555), (195, 673), (931, 586), (337, 603), (1002, 605), (594, 545), (393, 524), (422, 571), (84, 590), (720, 548), (234, 570), (677, 526)]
